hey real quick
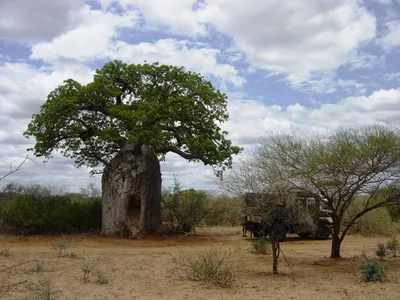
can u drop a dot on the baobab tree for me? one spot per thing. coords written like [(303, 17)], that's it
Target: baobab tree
[(123, 123)]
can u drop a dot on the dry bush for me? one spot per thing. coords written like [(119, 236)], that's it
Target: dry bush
[(42, 290), (5, 252), (60, 247), (37, 267), (393, 246), (212, 267), (261, 245), (372, 271), (380, 250), (89, 271)]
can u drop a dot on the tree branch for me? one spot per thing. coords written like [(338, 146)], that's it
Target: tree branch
[(165, 150), (15, 170), (390, 200)]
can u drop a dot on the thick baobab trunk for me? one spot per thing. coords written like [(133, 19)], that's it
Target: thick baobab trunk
[(131, 188)]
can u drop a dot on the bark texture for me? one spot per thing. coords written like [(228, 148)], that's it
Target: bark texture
[(131, 191), (275, 256), (336, 242)]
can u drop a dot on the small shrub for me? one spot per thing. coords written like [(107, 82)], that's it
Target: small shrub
[(101, 278), (381, 251), (37, 268), (371, 271), (212, 266), (5, 252), (61, 247), (261, 245), (43, 290), (393, 245), (72, 255), (87, 270)]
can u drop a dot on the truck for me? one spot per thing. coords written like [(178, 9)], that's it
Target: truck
[(310, 215)]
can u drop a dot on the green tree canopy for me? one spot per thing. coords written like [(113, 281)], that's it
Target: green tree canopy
[(165, 107)]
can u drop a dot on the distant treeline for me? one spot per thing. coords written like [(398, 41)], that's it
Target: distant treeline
[(36, 209)]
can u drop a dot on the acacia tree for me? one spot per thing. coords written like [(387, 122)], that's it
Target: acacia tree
[(123, 122), (268, 199), (341, 167)]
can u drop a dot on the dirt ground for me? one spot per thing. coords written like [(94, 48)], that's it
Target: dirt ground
[(141, 269)]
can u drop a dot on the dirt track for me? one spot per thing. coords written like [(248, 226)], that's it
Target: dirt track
[(141, 269)]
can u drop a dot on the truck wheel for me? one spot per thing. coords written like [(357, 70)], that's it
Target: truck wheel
[(256, 234), (303, 235), (323, 232)]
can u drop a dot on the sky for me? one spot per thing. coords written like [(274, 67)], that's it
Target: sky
[(312, 64)]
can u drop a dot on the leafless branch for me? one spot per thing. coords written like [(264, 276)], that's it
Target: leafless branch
[(17, 169)]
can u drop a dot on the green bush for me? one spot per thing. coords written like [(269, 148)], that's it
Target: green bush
[(42, 290), (381, 250), (261, 245), (211, 266), (393, 246), (24, 215), (60, 247), (225, 211), (371, 271), (394, 212), (28, 214), (377, 221), (184, 210)]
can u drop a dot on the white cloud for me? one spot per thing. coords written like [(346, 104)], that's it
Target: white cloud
[(173, 16), (303, 42), (293, 37), (352, 86), (89, 40), (392, 76), (249, 120), (181, 53), (84, 43), (391, 38), (27, 20), (23, 89)]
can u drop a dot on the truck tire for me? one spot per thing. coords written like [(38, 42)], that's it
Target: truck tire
[(303, 235), (323, 232)]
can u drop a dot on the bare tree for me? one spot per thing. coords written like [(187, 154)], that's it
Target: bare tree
[(91, 191), (348, 163), (245, 177)]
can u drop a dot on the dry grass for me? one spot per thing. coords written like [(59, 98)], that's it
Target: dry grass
[(141, 269)]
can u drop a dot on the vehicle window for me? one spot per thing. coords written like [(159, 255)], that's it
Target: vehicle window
[(310, 203)]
